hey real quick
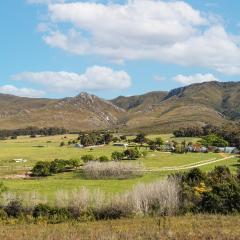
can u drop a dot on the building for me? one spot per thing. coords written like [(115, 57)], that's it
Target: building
[(78, 145), (233, 150), (120, 145)]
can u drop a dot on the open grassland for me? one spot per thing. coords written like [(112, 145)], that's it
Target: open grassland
[(175, 228), (48, 149)]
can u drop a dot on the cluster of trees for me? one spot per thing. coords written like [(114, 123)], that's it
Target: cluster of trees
[(120, 138), (43, 169), (128, 154), (153, 144), (215, 192), (32, 131), (228, 132), (95, 138), (214, 140)]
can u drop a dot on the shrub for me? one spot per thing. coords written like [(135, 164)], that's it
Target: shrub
[(14, 208), (103, 159), (116, 156), (58, 166), (3, 214), (132, 154), (87, 158), (97, 170), (111, 211), (41, 210), (224, 198), (41, 169)]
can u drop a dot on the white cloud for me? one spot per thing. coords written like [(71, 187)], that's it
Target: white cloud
[(197, 78), (22, 92), (167, 31), (94, 78)]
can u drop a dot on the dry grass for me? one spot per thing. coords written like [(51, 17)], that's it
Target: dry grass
[(105, 170), (204, 227), (161, 198)]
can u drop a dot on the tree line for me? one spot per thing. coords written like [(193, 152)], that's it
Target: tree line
[(228, 132), (31, 131)]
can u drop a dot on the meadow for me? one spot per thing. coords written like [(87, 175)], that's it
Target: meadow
[(189, 227), (48, 149)]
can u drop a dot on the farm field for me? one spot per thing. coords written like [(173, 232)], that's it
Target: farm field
[(181, 228), (48, 149)]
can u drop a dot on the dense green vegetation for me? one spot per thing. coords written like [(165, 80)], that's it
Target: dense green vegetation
[(189, 192), (230, 133), (31, 131)]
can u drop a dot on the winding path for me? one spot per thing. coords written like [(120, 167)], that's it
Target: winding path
[(192, 165)]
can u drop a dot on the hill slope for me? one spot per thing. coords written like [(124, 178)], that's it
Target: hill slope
[(197, 104)]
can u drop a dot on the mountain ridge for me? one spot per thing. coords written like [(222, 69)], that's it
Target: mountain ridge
[(195, 104)]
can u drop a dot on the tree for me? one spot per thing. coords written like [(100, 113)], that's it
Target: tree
[(140, 138), (132, 154), (41, 169), (214, 140), (152, 145), (123, 137), (159, 141)]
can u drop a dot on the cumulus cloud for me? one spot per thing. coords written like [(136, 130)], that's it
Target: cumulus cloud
[(94, 78), (197, 78), (22, 92), (166, 31)]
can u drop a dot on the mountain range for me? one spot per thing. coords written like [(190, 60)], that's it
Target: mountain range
[(160, 111)]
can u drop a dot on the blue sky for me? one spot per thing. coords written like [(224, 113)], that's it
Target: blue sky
[(110, 48)]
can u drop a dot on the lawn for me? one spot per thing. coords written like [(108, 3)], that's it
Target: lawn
[(48, 149)]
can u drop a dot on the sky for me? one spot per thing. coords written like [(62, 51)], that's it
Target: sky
[(59, 48)]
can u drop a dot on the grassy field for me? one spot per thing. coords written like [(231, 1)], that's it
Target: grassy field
[(48, 149), (195, 227)]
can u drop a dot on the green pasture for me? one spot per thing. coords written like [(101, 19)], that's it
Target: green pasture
[(48, 149)]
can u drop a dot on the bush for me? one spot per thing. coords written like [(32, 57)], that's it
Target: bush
[(112, 211), (215, 192), (3, 214), (132, 154), (53, 214), (116, 156), (224, 198), (14, 208), (41, 169), (103, 159), (41, 210), (58, 166), (87, 158), (97, 170)]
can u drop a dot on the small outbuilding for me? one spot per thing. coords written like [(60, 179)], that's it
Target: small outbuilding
[(233, 150), (120, 145), (78, 145)]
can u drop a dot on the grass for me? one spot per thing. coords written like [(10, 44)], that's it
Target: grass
[(182, 228), (28, 148)]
